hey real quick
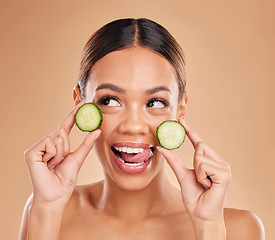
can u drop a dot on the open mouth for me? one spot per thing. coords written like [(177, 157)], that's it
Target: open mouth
[(133, 156)]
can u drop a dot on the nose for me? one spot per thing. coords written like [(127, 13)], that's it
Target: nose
[(134, 123)]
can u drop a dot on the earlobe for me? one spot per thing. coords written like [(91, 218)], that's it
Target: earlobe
[(185, 97), (76, 95), (183, 106)]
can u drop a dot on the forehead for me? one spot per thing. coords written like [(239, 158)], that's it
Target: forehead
[(135, 68)]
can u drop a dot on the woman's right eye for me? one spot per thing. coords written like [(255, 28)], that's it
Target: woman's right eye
[(109, 101)]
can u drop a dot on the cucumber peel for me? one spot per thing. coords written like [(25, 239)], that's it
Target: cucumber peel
[(170, 134), (88, 117)]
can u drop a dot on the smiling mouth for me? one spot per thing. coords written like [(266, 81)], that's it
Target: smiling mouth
[(133, 156)]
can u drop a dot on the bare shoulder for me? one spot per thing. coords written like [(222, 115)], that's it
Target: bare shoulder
[(83, 197), (243, 224)]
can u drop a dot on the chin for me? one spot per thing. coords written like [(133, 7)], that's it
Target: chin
[(134, 182)]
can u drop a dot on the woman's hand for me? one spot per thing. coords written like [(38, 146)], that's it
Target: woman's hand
[(203, 188), (53, 168)]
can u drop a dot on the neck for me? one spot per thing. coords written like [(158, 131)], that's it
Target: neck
[(155, 198)]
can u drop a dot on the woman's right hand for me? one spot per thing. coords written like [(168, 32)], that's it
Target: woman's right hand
[(53, 168)]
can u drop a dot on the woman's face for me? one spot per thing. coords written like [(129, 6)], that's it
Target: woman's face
[(136, 90)]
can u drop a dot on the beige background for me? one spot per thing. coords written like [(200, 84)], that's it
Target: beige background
[(229, 46)]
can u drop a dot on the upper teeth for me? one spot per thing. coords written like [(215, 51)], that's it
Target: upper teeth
[(129, 150)]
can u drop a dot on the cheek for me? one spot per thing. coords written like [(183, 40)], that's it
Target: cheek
[(102, 144), (106, 131), (160, 161), (109, 124), (155, 118), (102, 151)]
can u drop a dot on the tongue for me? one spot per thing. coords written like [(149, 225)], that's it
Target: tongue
[(137, 157)]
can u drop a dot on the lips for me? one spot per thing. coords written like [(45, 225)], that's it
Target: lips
[(132, 157), (132, 145)]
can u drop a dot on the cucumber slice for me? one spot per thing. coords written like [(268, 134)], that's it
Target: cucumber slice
[(88, 117), (171, 134)]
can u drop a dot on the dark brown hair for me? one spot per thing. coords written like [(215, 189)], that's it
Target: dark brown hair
[(126, 33)]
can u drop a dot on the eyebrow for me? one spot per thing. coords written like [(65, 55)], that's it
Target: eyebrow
[(157, 89), (121, 90), (111, 87)]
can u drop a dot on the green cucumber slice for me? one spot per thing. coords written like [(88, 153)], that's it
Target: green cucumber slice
[(88, 117), (171, 134)]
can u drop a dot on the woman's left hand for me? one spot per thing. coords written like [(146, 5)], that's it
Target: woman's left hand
[(203, 188)]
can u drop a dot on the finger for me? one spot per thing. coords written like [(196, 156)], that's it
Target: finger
[(62, 133), (69, 121), (209, 174), (42, 151), (203, 149), (50, 152), (203, 171), (199, 149), (175, 163), (198, 162), (79, 155), (191, 133), (198, 159), (199, 144), (59, 145)]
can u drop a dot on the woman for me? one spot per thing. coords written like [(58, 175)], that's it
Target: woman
[(133, 69)]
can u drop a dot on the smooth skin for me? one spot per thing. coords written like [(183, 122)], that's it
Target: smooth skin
[(124, 205)]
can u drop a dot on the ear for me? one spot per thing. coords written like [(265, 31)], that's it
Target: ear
[(182, 106), (76, 95)]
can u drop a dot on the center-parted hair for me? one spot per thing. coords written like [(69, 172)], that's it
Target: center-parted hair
[(126, 33)]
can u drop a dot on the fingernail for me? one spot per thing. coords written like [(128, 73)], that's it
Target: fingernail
[(99, 132), (159, 149), (52, 167), (180, 119), (204, 186)]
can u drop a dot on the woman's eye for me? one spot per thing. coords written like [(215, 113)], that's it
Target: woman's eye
[(109, 101), (156, 103)]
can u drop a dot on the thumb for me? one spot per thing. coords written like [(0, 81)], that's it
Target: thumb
[(175, 163), (85, 147)]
